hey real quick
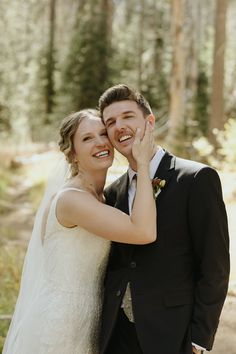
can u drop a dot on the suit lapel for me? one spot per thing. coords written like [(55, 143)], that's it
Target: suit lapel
[(122, 194), (166, 167), (122, 204)]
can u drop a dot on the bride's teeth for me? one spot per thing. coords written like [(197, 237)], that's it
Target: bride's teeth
[(102, 153), (125, 137)]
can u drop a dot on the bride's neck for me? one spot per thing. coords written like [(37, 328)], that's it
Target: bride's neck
[(93, 182)]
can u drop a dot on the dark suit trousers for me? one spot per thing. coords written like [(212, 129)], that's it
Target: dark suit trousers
[(124, 338)]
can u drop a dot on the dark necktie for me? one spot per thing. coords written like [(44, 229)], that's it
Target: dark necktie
[(127, 299)]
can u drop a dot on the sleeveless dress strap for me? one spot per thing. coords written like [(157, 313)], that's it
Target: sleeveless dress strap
[(56, 196), (52, 223), (69, 189)]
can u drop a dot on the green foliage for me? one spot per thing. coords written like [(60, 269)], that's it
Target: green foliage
[(202, 101), (87, 72), (46, 80), (11, 252), (227, 140), (11, 260), (5, 124), (141, 57), (23, 38), (157, 94), (5, 181), (6, 177), (224, 157), (48, 69)]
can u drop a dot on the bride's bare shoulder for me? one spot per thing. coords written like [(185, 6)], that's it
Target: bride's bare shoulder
[(73, 201)]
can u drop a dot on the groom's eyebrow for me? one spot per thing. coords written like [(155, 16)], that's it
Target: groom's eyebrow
[(128, 112), (123, 113), (109, 120)]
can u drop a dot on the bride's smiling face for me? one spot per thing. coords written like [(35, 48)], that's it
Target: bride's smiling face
[(93, 150)]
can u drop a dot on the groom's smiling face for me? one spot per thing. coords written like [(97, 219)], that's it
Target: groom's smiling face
[(122, 119)]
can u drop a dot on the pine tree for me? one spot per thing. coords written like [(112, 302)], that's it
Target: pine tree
[(87, 70)]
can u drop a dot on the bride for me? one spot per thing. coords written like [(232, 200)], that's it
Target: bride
[(59, 303)]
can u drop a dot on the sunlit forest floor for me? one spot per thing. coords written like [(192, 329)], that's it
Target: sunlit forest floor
[(21, 186)]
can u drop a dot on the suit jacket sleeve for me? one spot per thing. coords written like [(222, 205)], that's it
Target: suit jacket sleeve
[(210, 239), (110, 195)]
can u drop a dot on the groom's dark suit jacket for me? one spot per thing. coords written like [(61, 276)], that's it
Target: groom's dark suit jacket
[(179, 282)]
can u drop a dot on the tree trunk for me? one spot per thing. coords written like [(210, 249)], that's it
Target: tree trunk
[(176, 115), (140, 44), (217, 95), (50, 59), (192, 42)]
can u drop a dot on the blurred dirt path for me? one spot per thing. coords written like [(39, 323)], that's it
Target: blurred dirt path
[(225, 341), (16, 221)]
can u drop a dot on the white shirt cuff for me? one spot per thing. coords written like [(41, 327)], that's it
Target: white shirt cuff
[(198, 347)]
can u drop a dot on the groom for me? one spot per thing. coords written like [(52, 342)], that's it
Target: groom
[(165, 297)]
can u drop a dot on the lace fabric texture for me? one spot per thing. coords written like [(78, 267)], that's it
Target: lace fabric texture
[(64, 318)]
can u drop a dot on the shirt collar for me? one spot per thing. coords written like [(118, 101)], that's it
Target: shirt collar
[(154, 163)]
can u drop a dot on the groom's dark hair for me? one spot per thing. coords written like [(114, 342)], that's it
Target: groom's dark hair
[(123, 92)]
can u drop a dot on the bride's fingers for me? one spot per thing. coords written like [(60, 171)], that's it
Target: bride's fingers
[(152, 142), (149, 137), (150, 133), (137, 136), (147, 133)]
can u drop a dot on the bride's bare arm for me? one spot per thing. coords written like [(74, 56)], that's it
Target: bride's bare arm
[(144, 207), (108, 222)]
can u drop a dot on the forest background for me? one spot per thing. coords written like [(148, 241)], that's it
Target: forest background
[(58, 56)]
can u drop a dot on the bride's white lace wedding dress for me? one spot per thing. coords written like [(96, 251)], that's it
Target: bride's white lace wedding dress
[(64, 318)]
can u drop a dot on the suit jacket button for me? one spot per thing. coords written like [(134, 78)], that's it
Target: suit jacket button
[(118, 293), (133, 264)]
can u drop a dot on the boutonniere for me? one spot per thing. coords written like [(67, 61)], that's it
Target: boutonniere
[(157, 185)]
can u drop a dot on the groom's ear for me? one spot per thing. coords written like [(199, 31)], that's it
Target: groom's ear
[(151, 120)]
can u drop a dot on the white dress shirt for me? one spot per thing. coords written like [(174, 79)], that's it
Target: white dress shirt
[(154, 163)]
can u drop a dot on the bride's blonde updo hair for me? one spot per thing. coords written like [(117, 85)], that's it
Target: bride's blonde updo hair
[(68, 129)]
